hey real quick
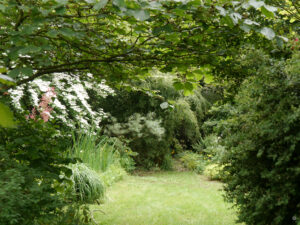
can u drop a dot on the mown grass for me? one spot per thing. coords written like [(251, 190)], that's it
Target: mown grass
[(165, 198)]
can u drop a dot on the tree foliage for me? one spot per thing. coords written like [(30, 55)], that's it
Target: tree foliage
[(119, 39), (122, 39)]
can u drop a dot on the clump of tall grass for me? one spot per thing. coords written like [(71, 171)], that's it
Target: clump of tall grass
[(97, 153), (87, 184)]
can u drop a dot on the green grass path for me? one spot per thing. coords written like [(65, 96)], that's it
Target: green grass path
[(165, 198)]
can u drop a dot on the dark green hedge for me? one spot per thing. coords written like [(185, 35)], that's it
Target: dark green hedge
[(263, 146)]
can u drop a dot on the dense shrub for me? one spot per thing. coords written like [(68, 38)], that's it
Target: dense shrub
[(71, 104), (213, 171), (31, 160), (198, 104), (163, 85), (263, 141), (105, 159), (167, 163), (145, 135), (215, 122), (192, 161), (126, 159), (211, 148), (184, 123)]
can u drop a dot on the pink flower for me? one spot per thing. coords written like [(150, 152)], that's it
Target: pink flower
[(44, 109), (45, 115), (32, 115)]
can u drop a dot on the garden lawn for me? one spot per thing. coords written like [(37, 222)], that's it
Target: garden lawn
[(165, 198)]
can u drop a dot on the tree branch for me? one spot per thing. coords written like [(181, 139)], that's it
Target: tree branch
[(21, 17), (43, 72)]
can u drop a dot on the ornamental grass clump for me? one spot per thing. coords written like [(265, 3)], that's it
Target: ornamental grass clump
[(97, 154), (87, 184)]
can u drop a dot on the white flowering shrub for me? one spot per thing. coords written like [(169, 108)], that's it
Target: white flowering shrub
[(137, 126), (70, 105)]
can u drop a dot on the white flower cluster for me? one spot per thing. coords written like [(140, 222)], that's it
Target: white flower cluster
[(137, 126), (16, 94), (71, 105)]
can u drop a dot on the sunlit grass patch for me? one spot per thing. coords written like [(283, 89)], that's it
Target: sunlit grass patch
[(169, 198)]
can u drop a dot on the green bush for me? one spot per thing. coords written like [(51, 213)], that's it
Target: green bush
[(109, 157), (198, 104), (211, 148), (163, 83), (213, 171), (74, 214), (192, 161), (145, 135), (87, 184), (31, 161), (125, 155), (262, 159), (184, 124)]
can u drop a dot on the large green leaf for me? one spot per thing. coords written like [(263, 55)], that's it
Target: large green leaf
[(187, 92), (29, 49), (6, 116), (256, 4), (141, 14), (178, 85), (6, 80), (27, 71), (268, 33), (119, 3), (100, 4), (266, 12), (188, 86)]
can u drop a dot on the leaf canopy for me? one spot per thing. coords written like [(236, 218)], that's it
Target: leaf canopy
[(120, 39)]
